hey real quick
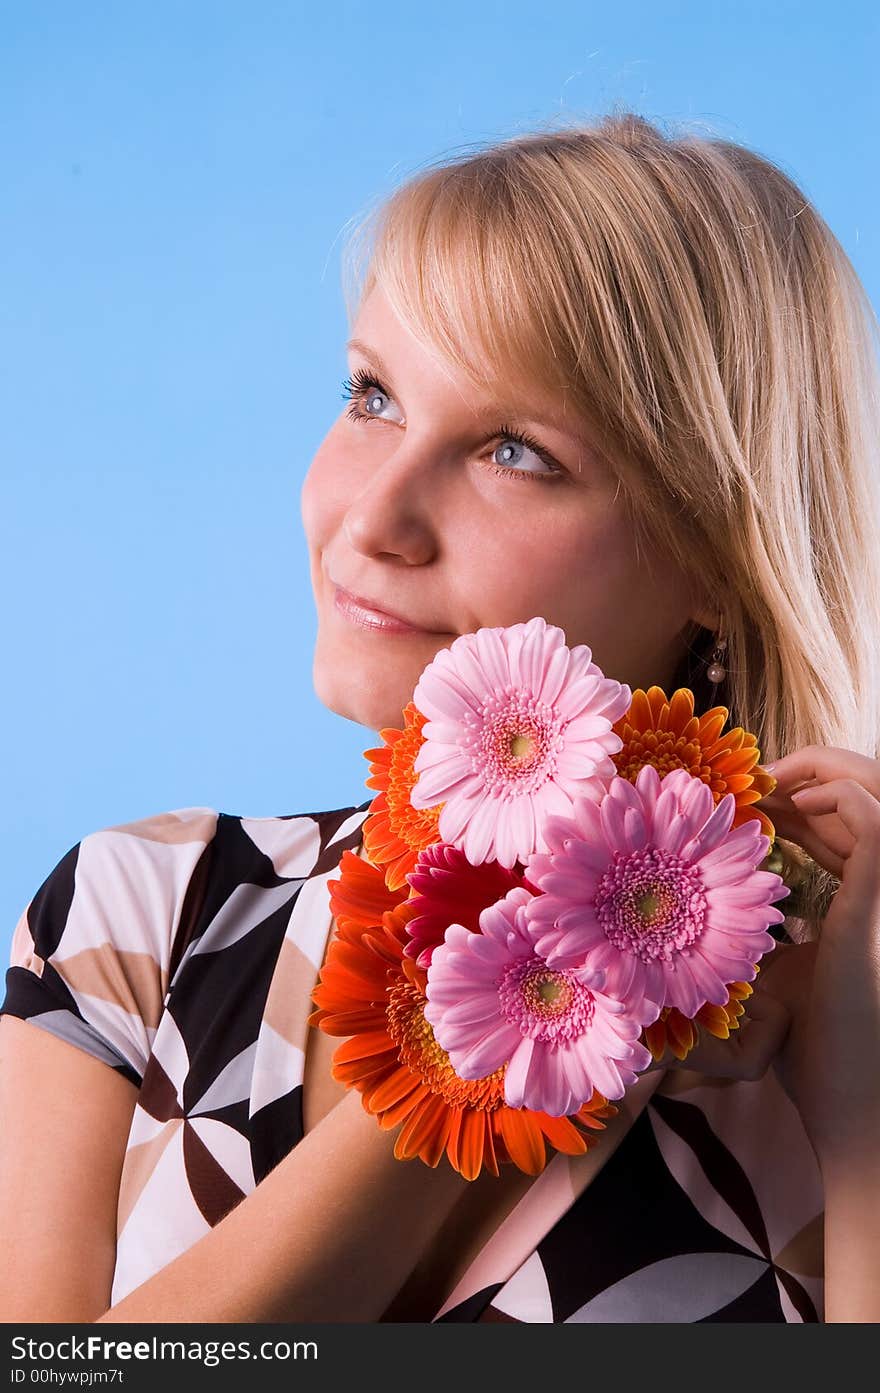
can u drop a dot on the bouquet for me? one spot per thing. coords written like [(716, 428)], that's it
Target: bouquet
[(561, 879)]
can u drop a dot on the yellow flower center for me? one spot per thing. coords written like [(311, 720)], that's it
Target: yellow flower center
[(520, 745), (550, 992), (419, 1051), (648, 905)]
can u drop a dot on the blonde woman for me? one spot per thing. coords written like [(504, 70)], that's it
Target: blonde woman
[(625, 380)]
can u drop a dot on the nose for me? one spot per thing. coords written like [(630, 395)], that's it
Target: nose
[(397, 513)]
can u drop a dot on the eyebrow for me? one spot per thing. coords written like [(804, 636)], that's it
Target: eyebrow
[(368, 352), (382, 367)]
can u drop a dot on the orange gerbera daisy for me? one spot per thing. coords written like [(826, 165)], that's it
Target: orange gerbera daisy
[(360, 897), (680, 1033), (664, 731), (394, 831), (372, 993)]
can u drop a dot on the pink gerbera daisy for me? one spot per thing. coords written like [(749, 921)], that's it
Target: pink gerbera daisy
[(517, 726), (494, 1000), (648, 882)]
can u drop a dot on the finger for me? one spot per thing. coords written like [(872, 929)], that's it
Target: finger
[(848, 811), (782, 808), (749, 1049), (768, 1024), (822, 762), (859, 813), (822, 834), (857, 808), (794, 827), (778, 804)]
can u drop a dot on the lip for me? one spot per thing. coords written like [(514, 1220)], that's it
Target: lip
[(366, 616)]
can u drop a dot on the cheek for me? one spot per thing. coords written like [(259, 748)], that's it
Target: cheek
[(320, 507), (582, 573), (547, 564)]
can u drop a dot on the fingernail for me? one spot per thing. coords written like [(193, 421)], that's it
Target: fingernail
[(799, 794), (770, 767)]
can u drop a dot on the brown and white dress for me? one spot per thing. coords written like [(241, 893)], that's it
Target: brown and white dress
[(182, 950)]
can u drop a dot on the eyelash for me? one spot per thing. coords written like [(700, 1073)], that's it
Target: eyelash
[(361, 382)]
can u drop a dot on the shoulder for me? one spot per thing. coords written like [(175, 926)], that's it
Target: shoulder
[(114, 872), (92, 951), (131, 879), (297, 845), (97, 948)]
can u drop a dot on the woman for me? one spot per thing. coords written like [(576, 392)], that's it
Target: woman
[(624, 382)]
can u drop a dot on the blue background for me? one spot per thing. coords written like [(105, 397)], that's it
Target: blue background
[(175, 183)]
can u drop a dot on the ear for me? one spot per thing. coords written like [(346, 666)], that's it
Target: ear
[(707, 617), (703, 611)]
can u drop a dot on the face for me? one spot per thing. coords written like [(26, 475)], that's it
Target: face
[(427, 510)]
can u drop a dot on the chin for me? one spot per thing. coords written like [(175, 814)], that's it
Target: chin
[(373, 701)]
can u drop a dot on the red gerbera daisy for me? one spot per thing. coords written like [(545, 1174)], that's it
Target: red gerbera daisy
[(447, 889)]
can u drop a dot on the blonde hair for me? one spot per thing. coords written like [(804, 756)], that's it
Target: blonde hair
[(709, 330)]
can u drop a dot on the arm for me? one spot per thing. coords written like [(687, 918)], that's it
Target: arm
[(329, 1235), (65, 1119), (852, 1233)]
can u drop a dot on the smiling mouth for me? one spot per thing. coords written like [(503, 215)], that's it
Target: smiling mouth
[(363, 616)]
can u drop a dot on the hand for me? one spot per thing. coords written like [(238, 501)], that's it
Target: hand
[(829, 990), (835, 1044), (759, 1037)]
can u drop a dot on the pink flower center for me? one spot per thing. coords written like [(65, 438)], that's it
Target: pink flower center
[(651, 903), (543, 1002), (513, 742)]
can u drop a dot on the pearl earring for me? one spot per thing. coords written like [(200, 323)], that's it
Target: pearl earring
[(716, 671)]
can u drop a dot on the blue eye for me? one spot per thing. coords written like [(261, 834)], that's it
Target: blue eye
[(361, 383), (356, 388), (508, 433)]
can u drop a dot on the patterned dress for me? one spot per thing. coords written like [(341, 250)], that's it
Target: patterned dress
[(182, 950)]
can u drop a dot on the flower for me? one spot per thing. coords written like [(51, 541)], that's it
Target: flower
[(394, 831), (649, 882), (447, 889), (565, 879), (493, 999), (664, 731), (370, 992), (360, 897), (518, 725), (674, 1030)]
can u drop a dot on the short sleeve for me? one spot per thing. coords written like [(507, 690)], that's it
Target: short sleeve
[(91, 955)]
